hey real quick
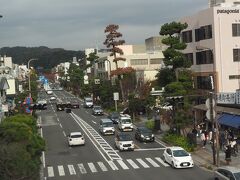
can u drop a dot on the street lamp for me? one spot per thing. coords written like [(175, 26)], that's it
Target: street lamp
[(212, 110), (29, 76)]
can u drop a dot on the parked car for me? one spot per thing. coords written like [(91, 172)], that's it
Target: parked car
[(76, 138), (144, 134), (97, 110), (177, 157), (106, 126), (227, 173), (124, 142), (53, 98), (114, 116)]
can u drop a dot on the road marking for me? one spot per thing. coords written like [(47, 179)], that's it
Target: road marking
[(149, 149), (112, 165), (152, 162), (161, 161), (71, 170), (50, 172), (43, 159), (64, 134), (92, 167), (102, 166), (160, 143), (60, 125), (58, 119), (94, 122), (122, 164), (133, 164), (61, 171), (143, 163), (82, 169)]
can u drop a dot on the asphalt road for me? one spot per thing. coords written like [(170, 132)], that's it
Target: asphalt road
[(98, 158)]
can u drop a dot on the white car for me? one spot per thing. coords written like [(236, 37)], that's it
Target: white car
[(53, 98), (177, 157), (76, 138), (124, 142)]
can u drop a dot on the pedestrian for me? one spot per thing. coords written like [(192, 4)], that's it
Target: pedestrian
[(210, 136), (233, 144), (228, 154), (203, 138)]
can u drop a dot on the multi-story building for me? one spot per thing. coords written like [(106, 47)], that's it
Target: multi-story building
[(213, 45)]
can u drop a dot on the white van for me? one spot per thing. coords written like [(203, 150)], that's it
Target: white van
[(106, 126), (88, 102), (125, 123)]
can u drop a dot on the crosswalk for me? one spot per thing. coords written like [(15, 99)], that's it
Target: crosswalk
[(97, 167)]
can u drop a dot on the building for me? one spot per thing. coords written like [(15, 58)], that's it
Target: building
[(225, 3), (213, 45)]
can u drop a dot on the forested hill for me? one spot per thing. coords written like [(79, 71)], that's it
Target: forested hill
[(47, 57)]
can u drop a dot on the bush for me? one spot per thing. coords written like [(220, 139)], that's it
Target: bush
[(178, 140), (150, 124)]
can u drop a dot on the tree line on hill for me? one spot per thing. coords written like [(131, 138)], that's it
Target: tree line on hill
[(47, 57)]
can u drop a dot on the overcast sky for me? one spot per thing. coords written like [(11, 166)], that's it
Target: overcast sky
[(80, 24)]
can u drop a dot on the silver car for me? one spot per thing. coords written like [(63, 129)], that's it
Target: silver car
[(97, 110), (227, 173)]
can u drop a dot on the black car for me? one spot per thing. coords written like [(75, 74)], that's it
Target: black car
[(114, 116), (144, 134)]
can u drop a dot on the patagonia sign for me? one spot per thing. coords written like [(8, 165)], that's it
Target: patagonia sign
[(227, 11)]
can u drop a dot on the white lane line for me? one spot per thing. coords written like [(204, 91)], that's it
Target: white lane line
[(60, 125), (122, 164), (58, 119), (152, 162), (94, 122), (50, 171), (143, 163), (43, 159), (61, 171), (82, 169), (133, 164), (150, 149), (92, 167), (161, 161), (160, 143), (64, 134), (71, 170), (102, 166), (112, 165), (94, 116)]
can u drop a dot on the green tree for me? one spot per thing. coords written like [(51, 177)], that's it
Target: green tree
[(20, 149)]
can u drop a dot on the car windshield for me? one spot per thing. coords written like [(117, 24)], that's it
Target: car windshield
[(237, 175), (97, 108), (76, 136), (126, 121), (107, 124), (88, 100), (125, 137), (145, 131), (115, 115), (180, 153)]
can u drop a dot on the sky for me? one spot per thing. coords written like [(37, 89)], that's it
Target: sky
[(80, 24)]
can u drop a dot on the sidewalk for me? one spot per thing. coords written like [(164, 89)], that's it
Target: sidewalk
[(202, 157)]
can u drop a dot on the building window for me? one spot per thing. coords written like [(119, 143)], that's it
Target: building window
[(139, 62), (234, 77), (204, 32), (235, 30), (204, 82), (156, 61), (187, 36), (236, 55), (204, 57), (189, 56)]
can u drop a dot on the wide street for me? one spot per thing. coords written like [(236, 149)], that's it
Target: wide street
[(98, 158)]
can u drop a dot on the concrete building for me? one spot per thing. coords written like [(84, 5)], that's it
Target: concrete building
[(213, 45)]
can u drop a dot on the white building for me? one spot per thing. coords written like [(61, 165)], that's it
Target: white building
[(213, 45)]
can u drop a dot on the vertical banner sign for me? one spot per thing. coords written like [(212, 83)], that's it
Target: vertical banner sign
[(116, 98)]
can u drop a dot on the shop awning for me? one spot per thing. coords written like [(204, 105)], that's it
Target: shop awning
[(230, 120)]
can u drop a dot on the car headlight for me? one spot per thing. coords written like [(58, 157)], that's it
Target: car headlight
[(142, 136)]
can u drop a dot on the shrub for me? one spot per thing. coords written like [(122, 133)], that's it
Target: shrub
[(178, 140), (150, 124)]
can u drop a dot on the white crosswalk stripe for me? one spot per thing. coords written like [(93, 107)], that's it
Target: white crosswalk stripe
[(132, 163), (102, 166), (61, 171), (92, 167), (152, 162), (95, 167), (50, 172), (143, 163), (162, 162), (122, 164), (71, 170), (82, 169), (112, 165)]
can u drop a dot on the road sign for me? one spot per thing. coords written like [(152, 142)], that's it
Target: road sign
[(116, 96), (208, 115)]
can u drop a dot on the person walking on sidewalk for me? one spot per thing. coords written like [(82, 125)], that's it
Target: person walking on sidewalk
[(203, 138), (228, 154)]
